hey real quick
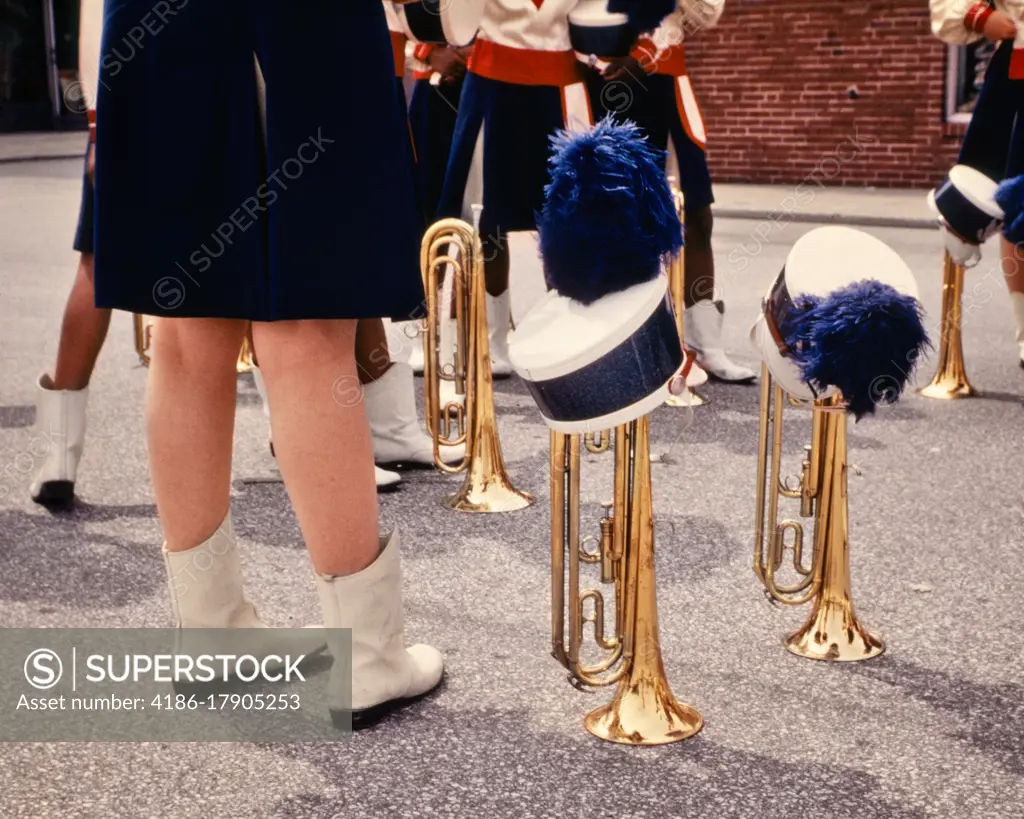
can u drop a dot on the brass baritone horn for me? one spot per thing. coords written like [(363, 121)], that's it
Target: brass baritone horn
[(832, 632), (950, 379), (143, 335), (455, 244), (644, 710)]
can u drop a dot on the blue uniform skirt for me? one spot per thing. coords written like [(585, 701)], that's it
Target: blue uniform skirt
[(86, 212), (197, 215), (518, 122), (433, 113), (994, 142), (654, 104)]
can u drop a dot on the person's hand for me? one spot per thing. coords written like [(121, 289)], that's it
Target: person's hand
[(90, 162), (622, 67), (447, 62), (999, 26)]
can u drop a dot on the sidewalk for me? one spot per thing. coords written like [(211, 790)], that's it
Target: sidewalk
[(35, 146), (805, 202)]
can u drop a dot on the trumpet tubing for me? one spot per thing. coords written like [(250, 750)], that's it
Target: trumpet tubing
[(832, 631), (950, 380), (644, 710), (453, 246)]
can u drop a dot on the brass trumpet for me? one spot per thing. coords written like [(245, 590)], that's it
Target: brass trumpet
[(644, 710), (832, 632), (143, 334), (950, 379), (676, 284), (456, 244)]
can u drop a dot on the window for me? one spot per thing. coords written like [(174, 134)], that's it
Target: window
[(965, 72)]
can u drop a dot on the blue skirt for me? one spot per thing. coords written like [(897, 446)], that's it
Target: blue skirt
[(433, 113), (86, 211), (198, 216), (994, 142), (518, 123)]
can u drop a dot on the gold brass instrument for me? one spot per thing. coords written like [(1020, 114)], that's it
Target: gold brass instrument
[(832, 632), (950, 379), (487, 488), (143, 333), (644, 710), (676, 285)]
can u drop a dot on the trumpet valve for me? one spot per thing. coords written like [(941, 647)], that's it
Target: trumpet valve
[(607, 545)]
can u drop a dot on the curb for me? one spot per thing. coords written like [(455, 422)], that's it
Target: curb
[(11, 160), (862, 220)]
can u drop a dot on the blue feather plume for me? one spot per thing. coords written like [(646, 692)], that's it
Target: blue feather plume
[(864, 338), (1010, 197), (609, 216)]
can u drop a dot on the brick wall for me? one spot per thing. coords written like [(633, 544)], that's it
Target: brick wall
[(773, 81)]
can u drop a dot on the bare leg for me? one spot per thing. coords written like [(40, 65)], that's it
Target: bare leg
[(1013, 266), (190, 418), (82, 332), (699, 275), (322, 438), (372, 357)]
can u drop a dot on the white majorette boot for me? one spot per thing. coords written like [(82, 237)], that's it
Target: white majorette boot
[(205, 583), (1017, 305), (703, 323), (394, 426), (60, 428), (498, 323), (385, 480), (385, 674)]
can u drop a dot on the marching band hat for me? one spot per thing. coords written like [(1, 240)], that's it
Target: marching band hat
[(602, 348), (968, 213), (441, 22), (595, 31), (842, 315)]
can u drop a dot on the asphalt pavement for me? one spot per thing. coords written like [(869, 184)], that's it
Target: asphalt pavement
[(933, 728)]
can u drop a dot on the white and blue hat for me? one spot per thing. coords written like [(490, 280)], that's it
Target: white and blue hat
[(842, 315), (602, 348), (441, 22), (965, 204)]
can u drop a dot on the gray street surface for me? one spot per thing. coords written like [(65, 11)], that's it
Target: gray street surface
[(933, 728)]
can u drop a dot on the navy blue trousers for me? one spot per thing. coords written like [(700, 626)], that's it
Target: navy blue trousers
[(994, 142), (197, 215)]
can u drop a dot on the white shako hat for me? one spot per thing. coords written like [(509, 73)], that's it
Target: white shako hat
[(842, 271), (965, 204), (601, 348)]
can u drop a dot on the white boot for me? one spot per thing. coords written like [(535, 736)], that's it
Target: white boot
[(397, 434), (384, 479), (60, 428), (385, 674), (696, 377), (1017, 305), (205, 583), (498, 321), (703, 322)]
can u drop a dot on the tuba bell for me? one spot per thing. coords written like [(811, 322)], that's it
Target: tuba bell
[(644, 711), (832, 631), (454, 246)]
